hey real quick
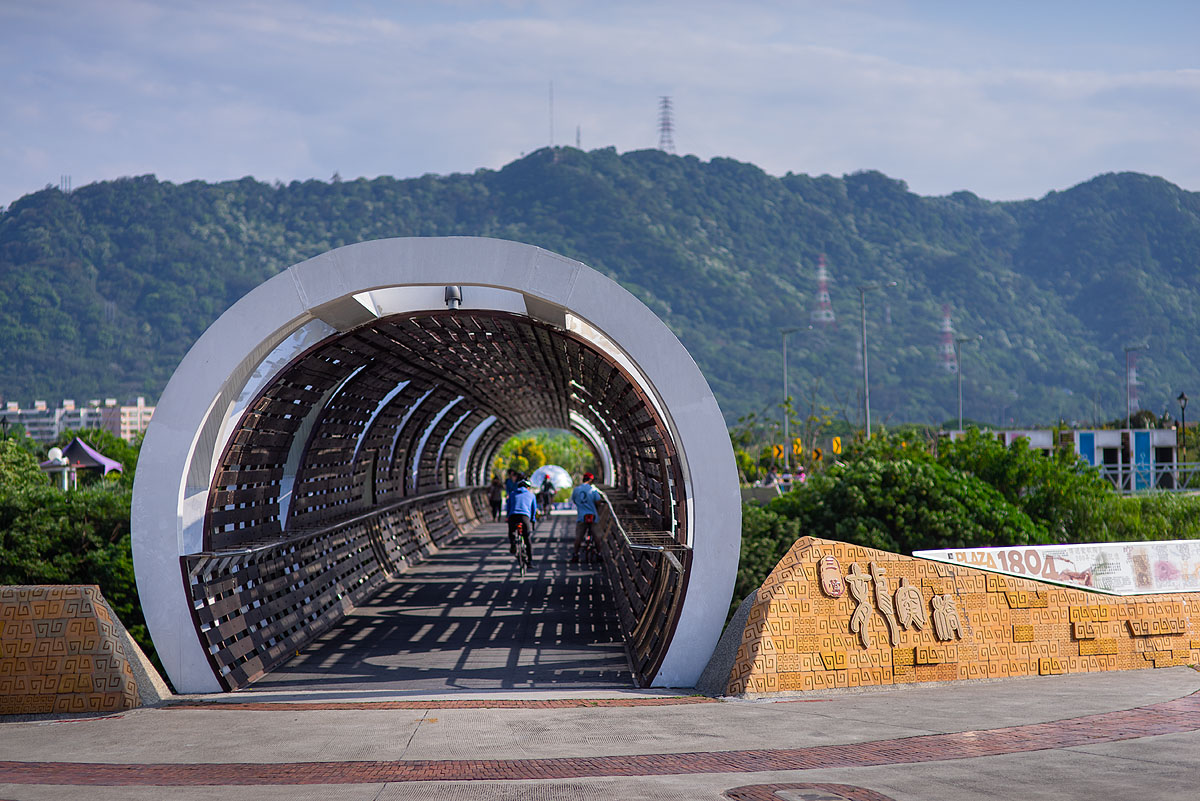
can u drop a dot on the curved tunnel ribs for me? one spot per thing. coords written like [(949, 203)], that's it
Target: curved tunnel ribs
[(350, 464)]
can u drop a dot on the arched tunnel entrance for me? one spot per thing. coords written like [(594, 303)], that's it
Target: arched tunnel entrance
[(336, 426)]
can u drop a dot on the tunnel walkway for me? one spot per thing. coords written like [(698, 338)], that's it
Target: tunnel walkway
[(464, 620)]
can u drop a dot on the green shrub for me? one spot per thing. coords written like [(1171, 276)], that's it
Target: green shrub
[(892, 494), (48, 536)]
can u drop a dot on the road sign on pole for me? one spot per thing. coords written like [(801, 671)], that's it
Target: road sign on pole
[(836, 445), (778, 450), (817, 454), (797, 447)]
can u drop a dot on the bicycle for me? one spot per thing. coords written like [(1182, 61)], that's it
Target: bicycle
[(591, 552), (524, 548)]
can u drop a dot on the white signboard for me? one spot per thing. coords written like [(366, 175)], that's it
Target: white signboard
[(1116, 568)]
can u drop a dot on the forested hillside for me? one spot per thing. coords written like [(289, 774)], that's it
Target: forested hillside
[(103, 290)]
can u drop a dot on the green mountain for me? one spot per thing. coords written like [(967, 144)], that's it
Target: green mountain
[(103, 290)]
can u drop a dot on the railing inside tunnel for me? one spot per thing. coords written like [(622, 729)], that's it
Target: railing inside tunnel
[(647, 572), (254, 607)]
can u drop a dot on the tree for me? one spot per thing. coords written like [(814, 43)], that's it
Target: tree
[(523, 454)]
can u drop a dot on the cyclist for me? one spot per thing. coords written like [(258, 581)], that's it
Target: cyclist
[(584, 497), (521, 508)]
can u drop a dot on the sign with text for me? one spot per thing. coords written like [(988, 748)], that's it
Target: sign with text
[(1116, 568)]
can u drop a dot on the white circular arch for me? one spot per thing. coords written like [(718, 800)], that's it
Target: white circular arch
[(353, 285)]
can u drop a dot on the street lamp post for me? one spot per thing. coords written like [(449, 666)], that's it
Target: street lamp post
[(958, 341), (1128, 402), (1183, 399), (862, 309), (787, 442)]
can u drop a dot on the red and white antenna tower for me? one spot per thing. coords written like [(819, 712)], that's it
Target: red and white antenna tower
[(946, 348), (1133, 382), (822, 313)]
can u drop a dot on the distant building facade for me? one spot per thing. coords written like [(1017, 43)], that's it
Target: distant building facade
[(44, 424), (1132, 459)]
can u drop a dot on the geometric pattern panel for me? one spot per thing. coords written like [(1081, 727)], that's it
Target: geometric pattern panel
[(833, 615), (60, 653)]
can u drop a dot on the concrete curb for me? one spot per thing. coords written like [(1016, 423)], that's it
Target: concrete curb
[(714, 680), (152, 690)]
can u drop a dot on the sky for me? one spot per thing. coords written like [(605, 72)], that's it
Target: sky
[(1008, 100)]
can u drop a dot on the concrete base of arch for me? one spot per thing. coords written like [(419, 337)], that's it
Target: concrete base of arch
[(353, 337)]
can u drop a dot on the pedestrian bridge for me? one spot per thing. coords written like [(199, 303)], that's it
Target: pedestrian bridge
[(335, 426)]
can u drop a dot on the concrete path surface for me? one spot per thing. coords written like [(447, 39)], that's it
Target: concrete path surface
[(1133, 734)]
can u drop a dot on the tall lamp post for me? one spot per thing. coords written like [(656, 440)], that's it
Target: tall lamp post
[(787, 440), (1183, 399), (958, 341), (862, 309), (1128, 403)]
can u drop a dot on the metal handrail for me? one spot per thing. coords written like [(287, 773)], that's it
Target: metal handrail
[(294, 535), (1180, 473), (662, 549)]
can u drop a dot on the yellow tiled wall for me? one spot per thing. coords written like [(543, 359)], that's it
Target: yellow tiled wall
[(798, 635), (60, 653)]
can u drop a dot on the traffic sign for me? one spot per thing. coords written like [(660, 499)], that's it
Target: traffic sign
[(817, 454), (778, 451), (836, 445), (797, 447)]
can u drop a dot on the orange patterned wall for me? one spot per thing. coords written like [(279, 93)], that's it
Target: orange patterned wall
[(838, 615), (60, 653)]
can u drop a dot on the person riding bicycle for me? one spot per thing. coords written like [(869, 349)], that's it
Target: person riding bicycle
[(584, 497), (521, 508)]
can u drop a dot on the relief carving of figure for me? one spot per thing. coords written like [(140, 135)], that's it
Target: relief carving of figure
[(883, 600), (910, 606), (861, 619), (946, 625), (830, 573)]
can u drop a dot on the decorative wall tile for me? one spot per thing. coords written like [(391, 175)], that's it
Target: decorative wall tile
[(905, 620), (61, 653)]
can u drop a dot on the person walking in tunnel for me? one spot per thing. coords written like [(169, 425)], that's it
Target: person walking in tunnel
[(584, 497), (495, 497), (521, 508), (510, 483), (546, 495)]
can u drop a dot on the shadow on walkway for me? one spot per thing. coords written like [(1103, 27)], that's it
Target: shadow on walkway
[(465, 620)]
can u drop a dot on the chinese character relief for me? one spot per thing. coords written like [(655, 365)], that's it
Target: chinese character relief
[(883, 601), (946, 625), (910, 606), (861, 619)]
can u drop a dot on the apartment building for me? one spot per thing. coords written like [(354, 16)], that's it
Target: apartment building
[(44, 424)]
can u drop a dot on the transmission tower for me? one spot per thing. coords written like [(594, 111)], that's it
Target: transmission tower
[(666, 125)]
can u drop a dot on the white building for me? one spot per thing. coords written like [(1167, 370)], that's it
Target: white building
[(43, 424)]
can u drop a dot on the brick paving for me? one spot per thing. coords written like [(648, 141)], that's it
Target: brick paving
[(1170, 717)]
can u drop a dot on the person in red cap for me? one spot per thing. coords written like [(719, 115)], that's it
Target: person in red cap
[(584, 497)]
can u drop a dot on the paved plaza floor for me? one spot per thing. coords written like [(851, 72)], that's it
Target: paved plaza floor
[(489, 715)]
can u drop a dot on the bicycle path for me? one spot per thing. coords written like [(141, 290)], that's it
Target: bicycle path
[(464, 619)]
